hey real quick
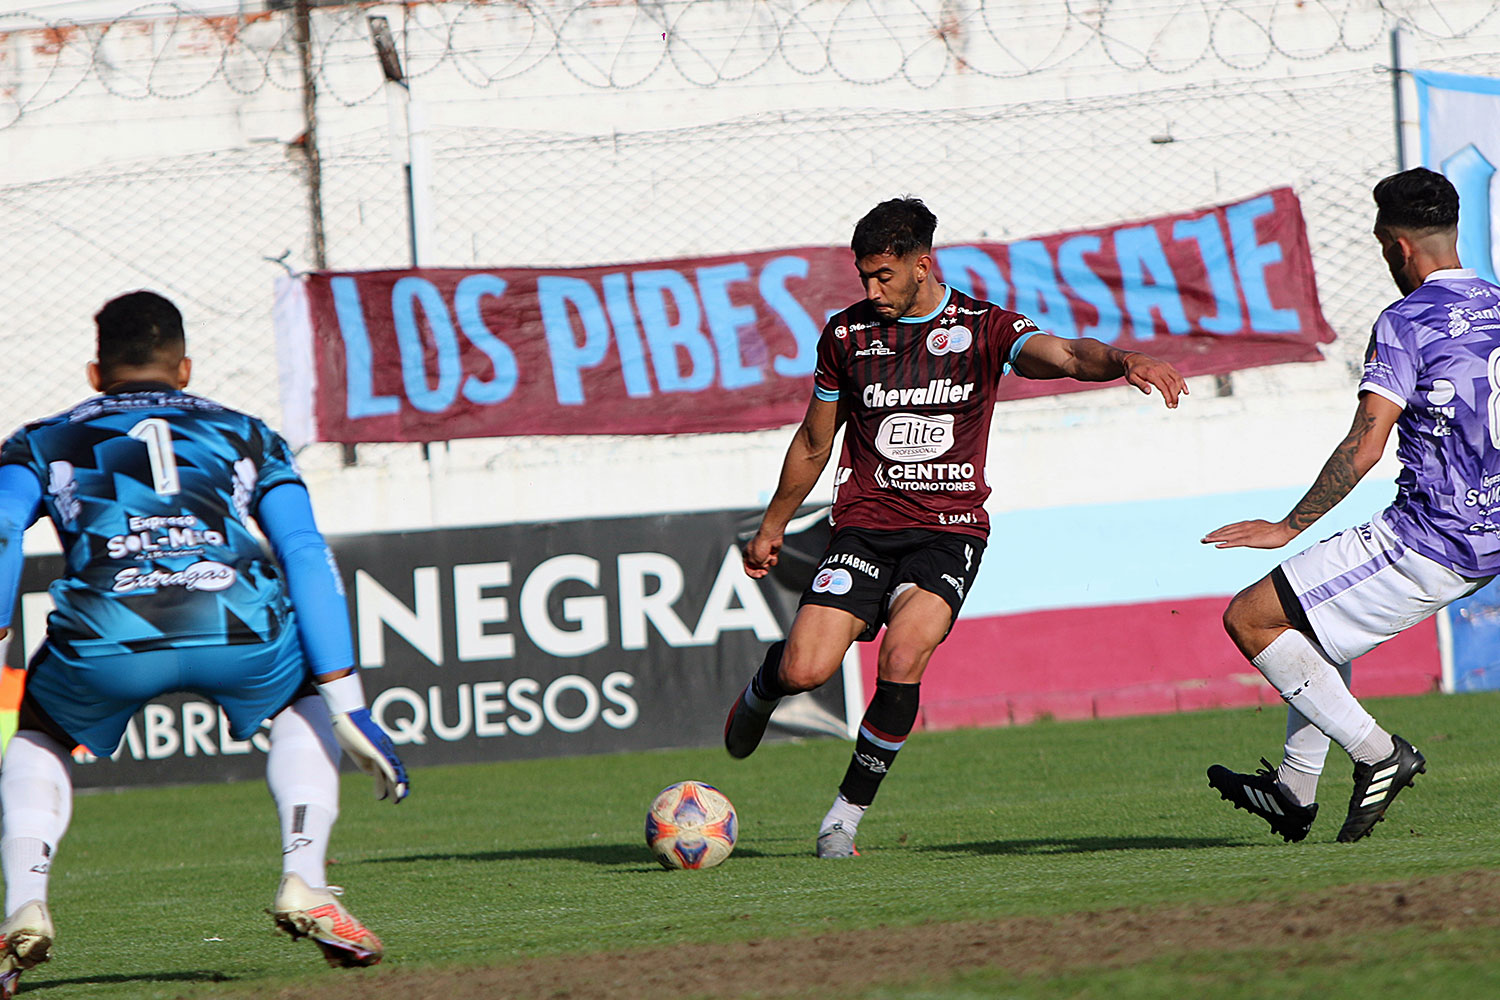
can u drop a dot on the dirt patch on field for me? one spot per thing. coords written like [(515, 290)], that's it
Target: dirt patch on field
[(841, 962)]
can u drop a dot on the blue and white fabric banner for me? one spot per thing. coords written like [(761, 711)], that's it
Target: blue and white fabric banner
[(1460, 120)]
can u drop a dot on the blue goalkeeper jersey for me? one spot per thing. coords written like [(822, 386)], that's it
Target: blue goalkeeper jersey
[(152, 491)]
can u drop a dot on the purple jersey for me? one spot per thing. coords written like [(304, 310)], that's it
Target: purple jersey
[(1436, 354)]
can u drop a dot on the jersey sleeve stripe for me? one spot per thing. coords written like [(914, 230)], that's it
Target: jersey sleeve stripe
[(1381, 390), (826, 395), (1015, 351)]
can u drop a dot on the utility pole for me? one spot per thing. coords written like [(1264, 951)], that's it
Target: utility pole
[(1401, 84), (408, 116), (413, 156), (302, 33), (302, 28)]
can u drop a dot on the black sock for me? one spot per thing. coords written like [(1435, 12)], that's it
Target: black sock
[(888, 720), (766, 684)]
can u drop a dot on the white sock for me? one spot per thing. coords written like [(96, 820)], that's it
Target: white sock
[(1374, 748), (844, 812), (1305, 752), (36, 801), (1308, 681), (302, 771)]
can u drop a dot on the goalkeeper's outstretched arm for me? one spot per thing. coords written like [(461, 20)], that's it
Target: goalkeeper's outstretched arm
[(317, 594)]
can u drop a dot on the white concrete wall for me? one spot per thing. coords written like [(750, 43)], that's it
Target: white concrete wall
[(160, 152)]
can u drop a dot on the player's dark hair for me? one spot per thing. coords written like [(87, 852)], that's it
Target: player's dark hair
[(138, 329), (899, 227), (1418, 200)]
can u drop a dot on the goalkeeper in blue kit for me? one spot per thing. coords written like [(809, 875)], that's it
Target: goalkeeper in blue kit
[(152, 492)]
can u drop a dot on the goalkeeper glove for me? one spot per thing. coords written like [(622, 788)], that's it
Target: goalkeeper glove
[(361, 737)]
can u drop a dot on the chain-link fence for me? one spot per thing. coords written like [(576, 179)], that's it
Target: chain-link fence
[(1223, 101), (197, 228)]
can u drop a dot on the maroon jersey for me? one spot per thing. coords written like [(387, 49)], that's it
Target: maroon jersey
[(919, 393)]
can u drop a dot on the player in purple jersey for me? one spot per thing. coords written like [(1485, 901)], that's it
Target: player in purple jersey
[(153, 492), (911, 373), (1430, 372)]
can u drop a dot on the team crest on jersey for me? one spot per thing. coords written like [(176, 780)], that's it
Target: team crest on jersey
[(832, 581), (954, 340)]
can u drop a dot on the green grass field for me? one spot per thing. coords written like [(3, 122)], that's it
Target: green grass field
[(159, 893)]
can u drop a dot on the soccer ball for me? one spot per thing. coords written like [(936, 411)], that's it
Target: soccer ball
[(691, 825)]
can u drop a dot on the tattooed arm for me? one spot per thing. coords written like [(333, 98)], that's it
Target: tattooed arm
[(1355, 456)]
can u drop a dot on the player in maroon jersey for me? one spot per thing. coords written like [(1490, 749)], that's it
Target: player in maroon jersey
[(911, 371)]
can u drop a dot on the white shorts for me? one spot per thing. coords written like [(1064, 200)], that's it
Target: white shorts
[(1364, 585)]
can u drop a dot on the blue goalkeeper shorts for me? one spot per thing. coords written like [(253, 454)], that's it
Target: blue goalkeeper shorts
[(90, 699)]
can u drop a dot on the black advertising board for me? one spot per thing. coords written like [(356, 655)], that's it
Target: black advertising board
[(519, 641)]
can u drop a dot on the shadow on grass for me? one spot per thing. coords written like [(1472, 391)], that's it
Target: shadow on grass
[(1083, 845), (592, 854), (201, 976)]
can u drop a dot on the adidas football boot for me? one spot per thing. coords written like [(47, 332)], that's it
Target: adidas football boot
[(1375, 785), (302, 911), (1259, 795)]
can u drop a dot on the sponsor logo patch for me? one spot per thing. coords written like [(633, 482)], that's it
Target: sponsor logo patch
[(204, 575), (938, 392), (930, 477), (913, 437), (64, 490), (1462, 320)]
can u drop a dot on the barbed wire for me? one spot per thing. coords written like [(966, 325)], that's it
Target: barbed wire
[(168, 51)]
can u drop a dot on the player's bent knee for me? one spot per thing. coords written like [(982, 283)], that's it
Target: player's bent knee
[(1242, 616), (903, 663), (1255, 617), (1233, 615), (805, 673)]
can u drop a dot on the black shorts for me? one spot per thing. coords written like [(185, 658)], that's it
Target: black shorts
[(863, 567)]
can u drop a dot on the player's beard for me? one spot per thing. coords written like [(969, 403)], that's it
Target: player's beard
[(894, 309), (1395, 259)]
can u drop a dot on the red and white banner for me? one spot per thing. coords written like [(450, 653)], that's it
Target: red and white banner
[(727, 343)]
